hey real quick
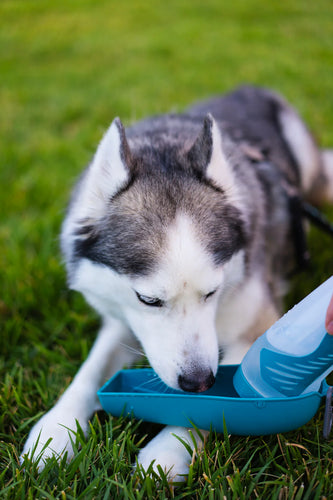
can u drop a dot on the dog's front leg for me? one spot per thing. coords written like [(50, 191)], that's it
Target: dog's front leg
[(168, 451), (108, 354)]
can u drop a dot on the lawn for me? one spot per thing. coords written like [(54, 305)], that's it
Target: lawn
[(67, 69)]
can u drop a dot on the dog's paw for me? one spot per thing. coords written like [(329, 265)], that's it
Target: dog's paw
[(52, 435), (174, 466), (168, 452)]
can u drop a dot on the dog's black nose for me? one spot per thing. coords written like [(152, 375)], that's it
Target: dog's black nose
[(196, 381)]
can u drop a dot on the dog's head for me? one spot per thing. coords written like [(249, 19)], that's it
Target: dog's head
[(154, 236)]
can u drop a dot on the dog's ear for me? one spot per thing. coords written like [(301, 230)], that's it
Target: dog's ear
[(108, 173), (111, 164), (208, 157)]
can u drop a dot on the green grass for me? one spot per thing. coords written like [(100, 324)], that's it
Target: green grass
[(67, 68)]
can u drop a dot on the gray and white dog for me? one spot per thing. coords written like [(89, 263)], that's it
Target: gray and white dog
[(181, 233)]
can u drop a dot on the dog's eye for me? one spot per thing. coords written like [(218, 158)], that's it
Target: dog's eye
[(150, 301), (210, 294)]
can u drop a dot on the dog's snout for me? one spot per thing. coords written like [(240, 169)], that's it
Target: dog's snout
[(196, 381)]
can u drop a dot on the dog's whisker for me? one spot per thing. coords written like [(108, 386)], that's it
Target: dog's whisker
[(132, 349), (149, 385)]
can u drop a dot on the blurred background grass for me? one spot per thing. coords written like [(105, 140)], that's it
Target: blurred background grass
[(67, 68)]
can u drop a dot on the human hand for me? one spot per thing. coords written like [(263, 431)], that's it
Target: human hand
[(329, 317)]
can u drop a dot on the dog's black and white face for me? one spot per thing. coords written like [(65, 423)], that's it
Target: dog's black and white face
[(158, 238)]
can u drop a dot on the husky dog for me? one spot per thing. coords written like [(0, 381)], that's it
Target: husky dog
[(181, 233)]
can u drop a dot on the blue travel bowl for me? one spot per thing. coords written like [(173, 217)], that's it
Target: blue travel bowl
[(140, 393)]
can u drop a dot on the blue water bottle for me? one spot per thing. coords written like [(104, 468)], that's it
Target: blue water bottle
[(294, 355)]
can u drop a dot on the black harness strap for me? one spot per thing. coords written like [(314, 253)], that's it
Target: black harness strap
[(298, 232), (299, 210), (317, 218)]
